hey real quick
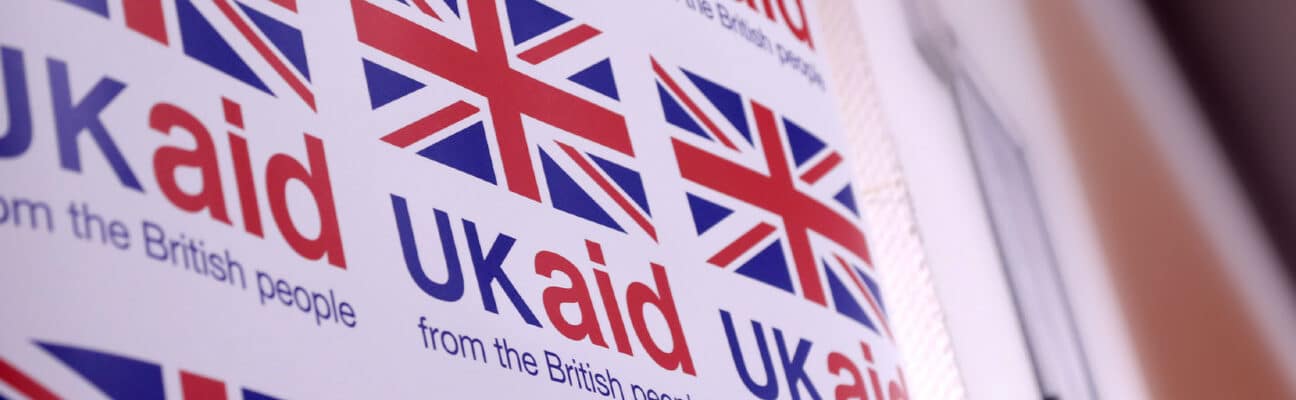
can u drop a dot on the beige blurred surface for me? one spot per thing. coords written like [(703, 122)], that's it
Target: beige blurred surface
[(1193, 332), (1170, 279)]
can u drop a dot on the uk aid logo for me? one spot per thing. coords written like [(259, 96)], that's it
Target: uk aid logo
[(534, 104)]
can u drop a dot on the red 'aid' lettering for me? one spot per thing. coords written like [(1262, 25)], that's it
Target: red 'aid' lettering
[(163, 118), (233, 112), (595, 252), (279, 171), (873, 375), (547, 263), (638, 296), (899, 391), (838, 362), (245, 183), (801, 32), (614, 312)]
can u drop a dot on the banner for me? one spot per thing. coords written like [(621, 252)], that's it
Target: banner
[(430, 198)]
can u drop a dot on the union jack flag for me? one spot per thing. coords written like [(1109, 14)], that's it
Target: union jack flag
[(762, 187), (117, 377), (225, 34), (492, 66)]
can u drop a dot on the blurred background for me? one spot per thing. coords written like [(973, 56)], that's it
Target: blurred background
[(1103, 190)]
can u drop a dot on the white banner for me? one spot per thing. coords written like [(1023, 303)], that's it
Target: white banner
[(429, 198)]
